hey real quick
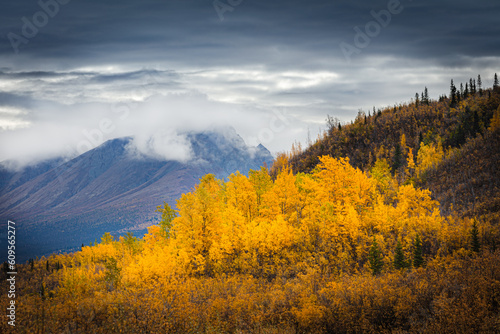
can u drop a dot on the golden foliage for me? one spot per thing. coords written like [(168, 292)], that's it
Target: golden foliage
[(291, 255)]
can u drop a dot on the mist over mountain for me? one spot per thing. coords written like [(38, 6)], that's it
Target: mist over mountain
[(58, 205)]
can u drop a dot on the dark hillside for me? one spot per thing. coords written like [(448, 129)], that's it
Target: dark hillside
[(468, 181), (378, 135), (467, 178)]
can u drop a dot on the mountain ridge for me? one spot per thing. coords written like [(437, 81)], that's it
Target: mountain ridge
[(109, 189)]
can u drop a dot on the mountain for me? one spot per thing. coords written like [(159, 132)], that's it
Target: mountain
[(59, 205)]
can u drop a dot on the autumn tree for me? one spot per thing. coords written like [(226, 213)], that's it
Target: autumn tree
[(167, 216), (495, 120), (107, 238), (428, 156), (261, 181)]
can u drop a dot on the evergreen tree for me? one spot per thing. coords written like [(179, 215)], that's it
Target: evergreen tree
[(397, 162), (476, 127), (47, 266), (426, 96), (42, 291), (495, 82), (479, 85), (453, 95), (417, 100), (375, 258), (399, 257), (475, 243), (466, 91), (418, 259)]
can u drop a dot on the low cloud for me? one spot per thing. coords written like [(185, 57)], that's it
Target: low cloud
[(62, 114), (154, 109), (163, 145)]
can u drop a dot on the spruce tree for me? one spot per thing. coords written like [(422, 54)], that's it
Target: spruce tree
[(418, 259), (375, 258), (399, 257), (453, 95), (426, 96), (397, 162), (42, 291), (495, 82), (475, 243), (479, 85)]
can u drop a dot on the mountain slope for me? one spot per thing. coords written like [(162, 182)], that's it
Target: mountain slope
[(468, 181), (468, 175), (107, 189), (378, 134)]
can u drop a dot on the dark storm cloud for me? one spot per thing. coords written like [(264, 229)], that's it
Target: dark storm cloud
[(15, 100), (187, 31), (262, 57)]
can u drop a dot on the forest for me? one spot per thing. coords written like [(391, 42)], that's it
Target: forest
[(388, 224)]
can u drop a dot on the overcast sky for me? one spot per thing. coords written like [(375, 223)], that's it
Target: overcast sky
[(75, 73)]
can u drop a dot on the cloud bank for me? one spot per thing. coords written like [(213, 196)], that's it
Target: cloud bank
[(154, 69)]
